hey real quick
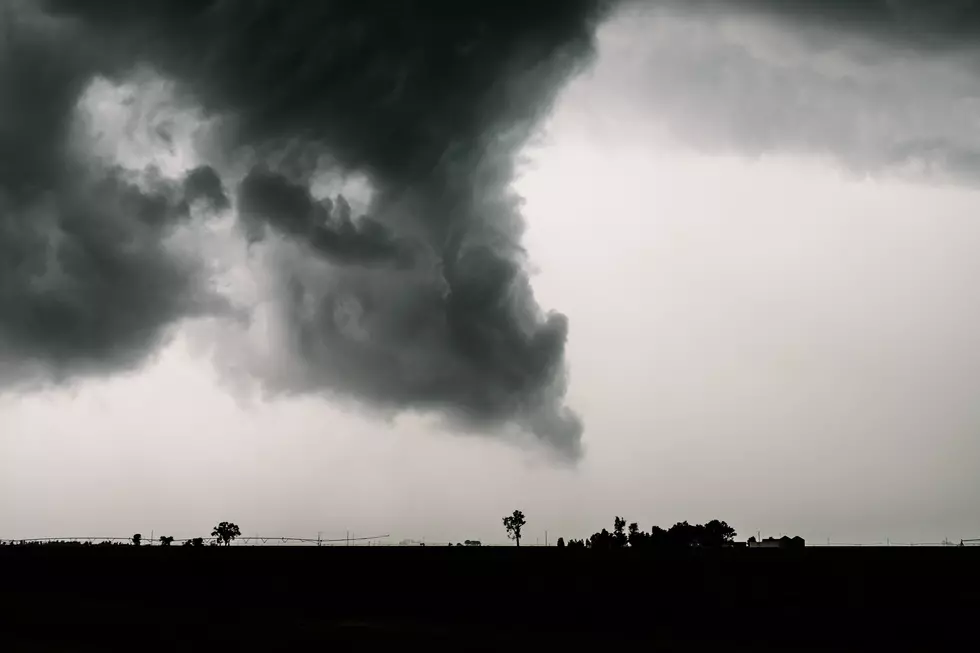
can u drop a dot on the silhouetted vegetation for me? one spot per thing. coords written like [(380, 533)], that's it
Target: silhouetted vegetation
[(226, 532), (64, 543), (784, 542), (681, 535), (513, 525)]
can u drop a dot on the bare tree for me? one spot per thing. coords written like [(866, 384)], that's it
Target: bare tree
[(514, 523)]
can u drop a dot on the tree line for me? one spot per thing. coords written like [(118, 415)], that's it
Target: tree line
[(715, 533)]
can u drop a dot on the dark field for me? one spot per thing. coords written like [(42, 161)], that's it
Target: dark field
[(274, 598)]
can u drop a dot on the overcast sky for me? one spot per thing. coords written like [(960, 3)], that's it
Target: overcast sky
[(761, 227)]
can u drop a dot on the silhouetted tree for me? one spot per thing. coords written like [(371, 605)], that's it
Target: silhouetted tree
[(225, 532), (197, 541), (658, 537), (682, 534), (137, 539), (619, 533), (717, 533), (166, 540), (513, 524), (601, 540), (561, 543), (638, 539)]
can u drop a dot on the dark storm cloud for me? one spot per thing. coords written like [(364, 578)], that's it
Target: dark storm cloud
[(881, 87), (476, 352), (326, 225), (921, 23), (389, 86), (204, 184), (427, 303), (86, 282)]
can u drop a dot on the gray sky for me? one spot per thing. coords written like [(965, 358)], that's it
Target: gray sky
[(762, 234)]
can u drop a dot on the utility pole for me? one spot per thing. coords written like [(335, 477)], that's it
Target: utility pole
[(546, 538)]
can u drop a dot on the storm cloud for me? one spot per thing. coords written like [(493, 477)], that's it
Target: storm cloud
[(271, 199), (419, 298), (421, 303), (881, 87), (203, 184), (940, 24), (87, 282)]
